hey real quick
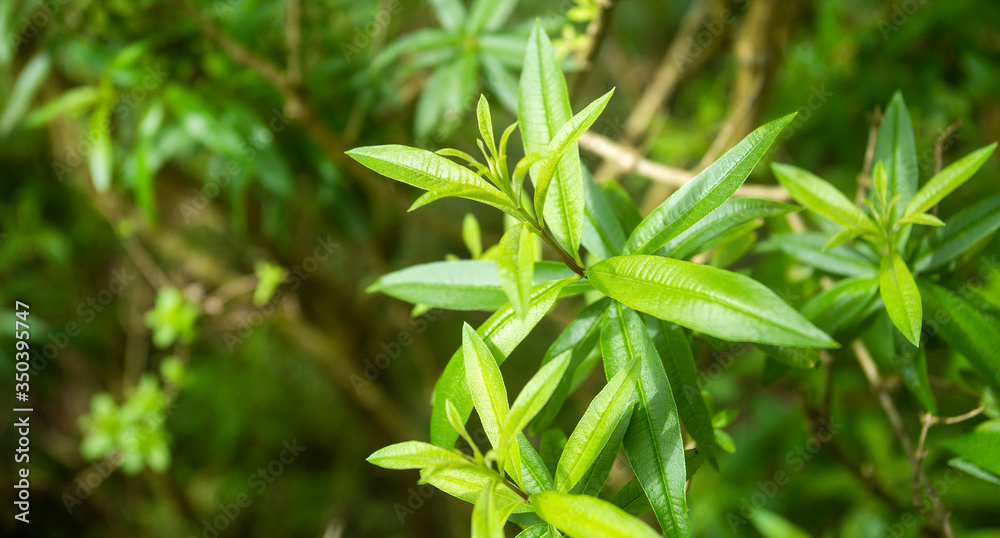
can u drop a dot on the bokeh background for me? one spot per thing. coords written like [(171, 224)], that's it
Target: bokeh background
[(177, 210)]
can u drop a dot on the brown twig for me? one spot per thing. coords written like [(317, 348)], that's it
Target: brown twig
[(940, 144), (865, 177)]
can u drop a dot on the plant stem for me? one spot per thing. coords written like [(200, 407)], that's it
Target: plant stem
[(556, 247), (514, 488)]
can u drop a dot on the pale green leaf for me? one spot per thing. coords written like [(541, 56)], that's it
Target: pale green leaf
[(472, 236), (592, 481), (464, 284), (516, 266), (821, 197), (709, 300), (925, 219), (653, 442), (596, 427), (29, 80), (415, 455), (583, 515), (502, 332), (543, 108), (486, 521), (771, 525), (707, 191), (901, 297), (451, 13), (731, 213), (467, 483), (101, 158), (488, 15), (482, 373), (533, 396)]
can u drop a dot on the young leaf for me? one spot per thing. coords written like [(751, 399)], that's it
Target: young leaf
[(464, 284), (808, 248), (472, 236), (602, 233), (415, 455), (960, 233), (539, 531), (565, 140), (429, 171), (964, 328), (707, 191), (842, 237), (596, 427), (486, 521), (583, 515), (467, 483), (678, 361), (502, 332), (592, 482), (925, 219), (489, 395), (731, 213), (709, 300), (516, 266), (896, 149), (534, 395), (580, 337), (458, 423), (949, 179), (821, 197), (543, 108), (901, 297), (653, 441)]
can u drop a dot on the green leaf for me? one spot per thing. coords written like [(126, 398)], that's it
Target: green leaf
[(602, 233), (653, 441), (516, 266), (535, 474), (901, 297), (622, 205), (565, 140), (465, 284), (592, 482), (580, 337), (543, 108), (633, 500), (808, 248), (486, 125), (596, 427), (550, 447), (539, 531), (415, 455), (949, 179), (507, 48), (421, 40), (583, 515), (896, 149), (469, 192), (502, 332), (678, 361), (771, 525), (925, 219), (709, 300), (821, 197), (707, 191), (499, 79), (29, 80), (71, 103), (426, 170), (472, 236), (731, 213), (467, 483), (960, 233), (964, 328), (488, 15), (841, 307), (486, 521), (489, 395), (912, 364), (796, 357), (533, 396), (981, 448), (101, 158), (451, 13), (974, 470)]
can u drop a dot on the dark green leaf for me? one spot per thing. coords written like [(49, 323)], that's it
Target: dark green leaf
[(959, 234), (964, 327), (808, 248), (731, 213), (602, 233)]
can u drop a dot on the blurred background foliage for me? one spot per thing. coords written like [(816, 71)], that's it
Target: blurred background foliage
[(167, 163)]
